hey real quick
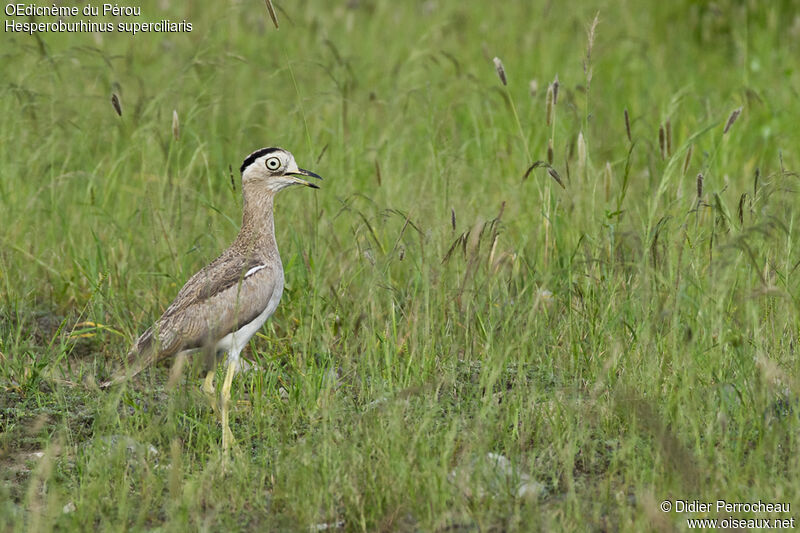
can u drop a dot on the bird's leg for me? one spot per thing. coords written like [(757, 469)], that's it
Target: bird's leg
[(227, 435), (210, 357), (209, 390)]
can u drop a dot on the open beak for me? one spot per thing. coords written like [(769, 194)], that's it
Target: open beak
[(304, 172)]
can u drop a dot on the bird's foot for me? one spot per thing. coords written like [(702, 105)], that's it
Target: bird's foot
[(228, 442), (230, 450)]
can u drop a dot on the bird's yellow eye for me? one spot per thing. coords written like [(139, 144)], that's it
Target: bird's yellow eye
[(273, 163)]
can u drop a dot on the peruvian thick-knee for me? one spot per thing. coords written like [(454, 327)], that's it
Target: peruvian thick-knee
[(223, 305)]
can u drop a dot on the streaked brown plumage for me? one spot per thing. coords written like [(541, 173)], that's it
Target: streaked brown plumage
[(226, 302)]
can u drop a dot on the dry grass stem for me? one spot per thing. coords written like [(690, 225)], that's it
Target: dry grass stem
[(662, 141), (176, 469), (493, 249), (176, 372)]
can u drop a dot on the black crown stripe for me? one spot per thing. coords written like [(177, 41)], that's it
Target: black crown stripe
[(250, 159)]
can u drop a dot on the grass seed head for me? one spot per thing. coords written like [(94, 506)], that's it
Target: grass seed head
[(699, 185), (555, 90), (590, 37), (548, 114), (554, 174), (662, 141), (533, 87), (755, 181), (740, 209), (590, 34), (669, 138), (628, 125), (501, 71), (272, 14), (378, 175), (688, 159), (550, 151), (731, 119), (176, 128), (115, 102)]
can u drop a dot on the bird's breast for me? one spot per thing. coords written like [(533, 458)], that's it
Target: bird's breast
[(234, 342)]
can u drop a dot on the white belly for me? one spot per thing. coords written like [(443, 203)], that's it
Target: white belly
[(234, 342)]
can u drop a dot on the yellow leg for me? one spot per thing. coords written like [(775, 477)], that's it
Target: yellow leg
[(209, 390), (227, 436)]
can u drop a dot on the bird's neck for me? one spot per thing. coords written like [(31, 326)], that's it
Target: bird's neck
[(258, 226)]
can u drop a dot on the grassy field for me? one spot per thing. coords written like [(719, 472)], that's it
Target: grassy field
[(463, 344)]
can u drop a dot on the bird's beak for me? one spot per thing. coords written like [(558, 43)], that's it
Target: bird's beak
[(304, 172)]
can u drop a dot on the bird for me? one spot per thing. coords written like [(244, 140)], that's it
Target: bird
[(223, 305)]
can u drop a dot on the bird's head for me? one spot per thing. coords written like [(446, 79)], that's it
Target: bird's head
[(275, 169)]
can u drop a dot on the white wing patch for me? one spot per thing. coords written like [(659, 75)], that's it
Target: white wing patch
[(254, 270)]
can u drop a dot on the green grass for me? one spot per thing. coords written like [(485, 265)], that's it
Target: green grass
[(619, 342)]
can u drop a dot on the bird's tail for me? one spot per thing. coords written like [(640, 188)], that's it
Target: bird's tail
[(143, 353)]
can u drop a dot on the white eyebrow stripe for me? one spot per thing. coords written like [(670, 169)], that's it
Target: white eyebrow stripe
[(254, 270)]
